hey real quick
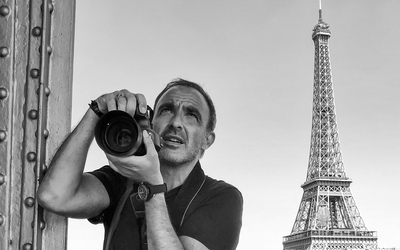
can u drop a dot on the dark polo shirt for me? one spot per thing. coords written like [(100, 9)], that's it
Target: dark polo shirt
[(203, 208)]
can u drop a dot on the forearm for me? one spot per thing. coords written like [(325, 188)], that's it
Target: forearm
[(63, 177), (160, 233)]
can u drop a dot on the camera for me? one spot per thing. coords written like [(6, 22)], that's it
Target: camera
[(118, 133)]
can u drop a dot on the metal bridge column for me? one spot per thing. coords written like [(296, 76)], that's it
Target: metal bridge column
[(36, 55)]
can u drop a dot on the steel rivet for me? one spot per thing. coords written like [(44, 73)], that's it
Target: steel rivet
[(4, 51), (51, 7), (27, 246), (43, 168), (1, 219), (45, 133), (42, 225), (4, 10), (29, 202), (2, 179), (33, 114), (3, 135), (37, 31), (49, 50), (47, 91), (35, 73), (31, 156), (3, 93)]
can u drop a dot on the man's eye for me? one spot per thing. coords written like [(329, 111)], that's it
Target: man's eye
[(165, 111)]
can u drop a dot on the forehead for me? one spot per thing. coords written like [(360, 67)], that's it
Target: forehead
[(186, 96)]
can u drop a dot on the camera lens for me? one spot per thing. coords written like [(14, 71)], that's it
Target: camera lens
[(117, 133), (120, 136), (124, 138)]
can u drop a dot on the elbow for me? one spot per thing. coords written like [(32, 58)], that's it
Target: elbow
[(49, 200), (45, 198)]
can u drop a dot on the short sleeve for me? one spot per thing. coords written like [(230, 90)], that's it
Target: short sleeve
[(114, 183), (215, 219)]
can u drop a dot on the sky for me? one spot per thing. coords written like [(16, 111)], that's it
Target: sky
[(255, 58)]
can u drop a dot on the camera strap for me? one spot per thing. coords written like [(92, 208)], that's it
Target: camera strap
[(138, 207), (140, 213), (117, 213)]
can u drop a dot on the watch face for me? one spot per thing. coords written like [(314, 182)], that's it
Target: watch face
[(143, 192)]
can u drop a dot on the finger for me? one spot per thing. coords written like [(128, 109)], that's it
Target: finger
[(131, 103), (121, 103), (110, 101), (148, 142), (142, 103), (102, 104)]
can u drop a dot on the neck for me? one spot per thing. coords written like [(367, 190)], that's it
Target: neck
[(174, 176)]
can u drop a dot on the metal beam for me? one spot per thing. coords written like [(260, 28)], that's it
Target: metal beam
[(36, 55)]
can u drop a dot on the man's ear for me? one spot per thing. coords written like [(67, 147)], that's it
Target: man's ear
[(210, 138)]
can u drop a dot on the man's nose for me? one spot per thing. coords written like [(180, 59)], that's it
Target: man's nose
[(177, 120)]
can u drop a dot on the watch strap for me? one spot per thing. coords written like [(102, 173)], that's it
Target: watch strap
[(156, 189)]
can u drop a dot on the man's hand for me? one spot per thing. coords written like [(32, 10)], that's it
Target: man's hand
[(139, 168), (122, 100)]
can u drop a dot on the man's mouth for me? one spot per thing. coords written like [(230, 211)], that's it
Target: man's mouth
[(172, 139)]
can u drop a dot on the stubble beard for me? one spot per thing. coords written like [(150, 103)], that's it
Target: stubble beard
[(176, 159)]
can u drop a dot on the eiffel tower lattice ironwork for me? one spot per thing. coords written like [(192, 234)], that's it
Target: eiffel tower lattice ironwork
[(328, 217)]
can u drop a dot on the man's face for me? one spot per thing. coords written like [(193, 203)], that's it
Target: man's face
[(181, 119)]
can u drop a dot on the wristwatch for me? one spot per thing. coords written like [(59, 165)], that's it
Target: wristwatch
[(146, 191)]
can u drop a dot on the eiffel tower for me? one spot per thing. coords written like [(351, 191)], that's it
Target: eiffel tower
[(328, 217)]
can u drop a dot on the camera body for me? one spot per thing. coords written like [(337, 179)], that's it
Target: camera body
[(118, 133)]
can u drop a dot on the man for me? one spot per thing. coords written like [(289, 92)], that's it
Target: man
[(197, 212)]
